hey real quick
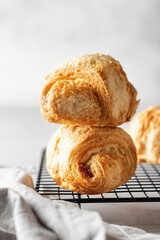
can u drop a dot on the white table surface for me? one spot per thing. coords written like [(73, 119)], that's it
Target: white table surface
[(23, 135)]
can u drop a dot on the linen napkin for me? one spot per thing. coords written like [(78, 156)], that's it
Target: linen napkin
[(26, 215)]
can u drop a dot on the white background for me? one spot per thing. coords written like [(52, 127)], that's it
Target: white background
[(37, 35)]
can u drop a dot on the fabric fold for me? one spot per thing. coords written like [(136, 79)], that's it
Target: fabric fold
[(26, 215)]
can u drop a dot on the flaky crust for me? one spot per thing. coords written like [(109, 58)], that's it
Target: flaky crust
[(145, 132), (91, 160), (88, 90)]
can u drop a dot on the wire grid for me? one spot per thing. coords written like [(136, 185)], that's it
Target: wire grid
[(144, 186)]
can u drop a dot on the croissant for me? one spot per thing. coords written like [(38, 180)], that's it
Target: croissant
[(145, 132), (90, 160), (88, 90)]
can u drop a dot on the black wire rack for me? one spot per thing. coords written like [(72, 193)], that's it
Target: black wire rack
[(144, 186)]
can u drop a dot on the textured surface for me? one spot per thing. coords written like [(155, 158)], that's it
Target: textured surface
[(88, 90), (145, 131), (91, 159)]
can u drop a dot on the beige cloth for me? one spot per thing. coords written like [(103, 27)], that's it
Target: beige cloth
[(26, 215)]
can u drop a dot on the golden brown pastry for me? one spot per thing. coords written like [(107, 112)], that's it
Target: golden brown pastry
[(145, 132), (91, 160), (88, 90)]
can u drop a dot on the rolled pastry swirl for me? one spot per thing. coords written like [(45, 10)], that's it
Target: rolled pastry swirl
[(88, 90), (91, 160), (145, 132)]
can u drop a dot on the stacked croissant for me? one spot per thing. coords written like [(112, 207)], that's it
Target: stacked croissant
[(91, 95)]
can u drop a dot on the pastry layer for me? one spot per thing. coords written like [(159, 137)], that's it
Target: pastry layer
[(91, 160), (145, 132), (88, 90)]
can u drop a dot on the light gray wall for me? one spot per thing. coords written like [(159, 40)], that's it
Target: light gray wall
[(37, 35)]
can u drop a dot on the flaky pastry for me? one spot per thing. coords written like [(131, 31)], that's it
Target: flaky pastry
[(145, 132), (88, 90), (91, 160)]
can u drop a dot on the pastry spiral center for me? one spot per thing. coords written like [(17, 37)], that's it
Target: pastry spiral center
[(85, 171)]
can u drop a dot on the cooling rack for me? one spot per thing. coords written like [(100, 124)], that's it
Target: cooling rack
[(144, 186)]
